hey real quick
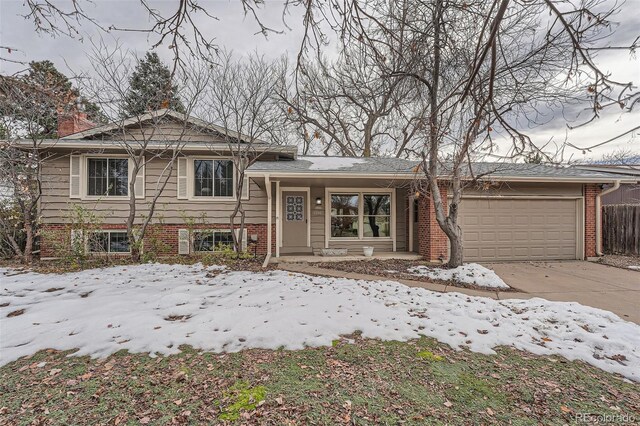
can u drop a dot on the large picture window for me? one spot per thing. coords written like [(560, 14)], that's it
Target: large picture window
[(211, 240), (213, 178), (108, 176), (108, 242), (344, 215), (377, 216), (360, 215)]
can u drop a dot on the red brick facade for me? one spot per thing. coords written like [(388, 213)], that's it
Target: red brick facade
[(590, 193), (432, 241), (161, 239)]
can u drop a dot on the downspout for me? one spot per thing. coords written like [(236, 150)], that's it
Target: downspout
[(267, 184), (616, 185)]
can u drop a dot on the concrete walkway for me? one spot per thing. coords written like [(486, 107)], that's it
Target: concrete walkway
[(605, 287)]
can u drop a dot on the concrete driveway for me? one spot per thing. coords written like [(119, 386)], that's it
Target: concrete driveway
[(606, 287)]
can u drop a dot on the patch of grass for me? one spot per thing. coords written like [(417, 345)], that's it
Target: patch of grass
[(241, 398), (364, 382), (429, 356)]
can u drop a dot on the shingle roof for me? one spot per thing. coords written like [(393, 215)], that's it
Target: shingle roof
[(160, 114), (319, 164), (398, 167)]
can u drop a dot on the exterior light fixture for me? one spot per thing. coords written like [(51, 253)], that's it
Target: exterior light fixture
[(318, 201)]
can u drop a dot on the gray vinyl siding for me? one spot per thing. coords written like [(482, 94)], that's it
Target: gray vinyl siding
[(56, 204), (167, 130)]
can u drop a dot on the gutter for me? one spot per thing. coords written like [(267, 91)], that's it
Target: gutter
[(405, 176), (616, 185)]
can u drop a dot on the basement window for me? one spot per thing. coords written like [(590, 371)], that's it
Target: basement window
[(208, 241), (108, 242)]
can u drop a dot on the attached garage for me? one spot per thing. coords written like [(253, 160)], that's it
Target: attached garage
[(499, 229)]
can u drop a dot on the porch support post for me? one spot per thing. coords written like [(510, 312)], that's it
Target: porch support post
[(411, 206), (278, 213), (267, 184), (393, 218)]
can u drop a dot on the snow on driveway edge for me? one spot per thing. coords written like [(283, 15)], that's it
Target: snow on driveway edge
[(469, 273)]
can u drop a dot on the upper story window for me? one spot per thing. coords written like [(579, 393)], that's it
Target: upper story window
[(108, 176), (213, 178)]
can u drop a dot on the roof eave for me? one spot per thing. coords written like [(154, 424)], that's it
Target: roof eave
[(155, 114), (396, 175), (118, 145)]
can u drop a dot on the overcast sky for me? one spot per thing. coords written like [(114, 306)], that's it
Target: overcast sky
[(236, 32)]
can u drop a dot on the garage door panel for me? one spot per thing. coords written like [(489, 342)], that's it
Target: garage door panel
[(488, 252), (488, 220), (521, 219), (518, 229), (505, 236), (538, 219)]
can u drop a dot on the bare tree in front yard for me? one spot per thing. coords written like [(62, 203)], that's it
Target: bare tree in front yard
[(27, 108), (347, 106), (488, 71), (143, 137), (242, 100)]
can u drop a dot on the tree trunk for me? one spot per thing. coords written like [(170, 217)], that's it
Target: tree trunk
[(28, 246), (135, 253), (456, 256)]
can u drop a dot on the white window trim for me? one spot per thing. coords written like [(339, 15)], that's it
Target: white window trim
[(191, 180), (193, 237), (84, 174), (104, 231), (360, 192)]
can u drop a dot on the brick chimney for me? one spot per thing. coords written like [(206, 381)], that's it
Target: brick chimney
[(73, 122)]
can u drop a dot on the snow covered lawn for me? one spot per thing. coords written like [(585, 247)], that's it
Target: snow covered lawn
[(470, 273), (156, 308)]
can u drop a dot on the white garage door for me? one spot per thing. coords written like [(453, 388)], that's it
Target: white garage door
[(518, 229)]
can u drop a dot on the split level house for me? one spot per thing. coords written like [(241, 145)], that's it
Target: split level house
[(306, 204)]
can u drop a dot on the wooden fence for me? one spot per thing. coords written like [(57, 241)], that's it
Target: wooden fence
[(621, 229)]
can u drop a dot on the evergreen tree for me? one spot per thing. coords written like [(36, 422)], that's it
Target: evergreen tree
[(47, 89), (151, 88)]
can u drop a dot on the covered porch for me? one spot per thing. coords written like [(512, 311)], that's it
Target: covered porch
[(316, 219)]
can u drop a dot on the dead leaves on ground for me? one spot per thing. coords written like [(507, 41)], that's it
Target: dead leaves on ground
[(354, 381)]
